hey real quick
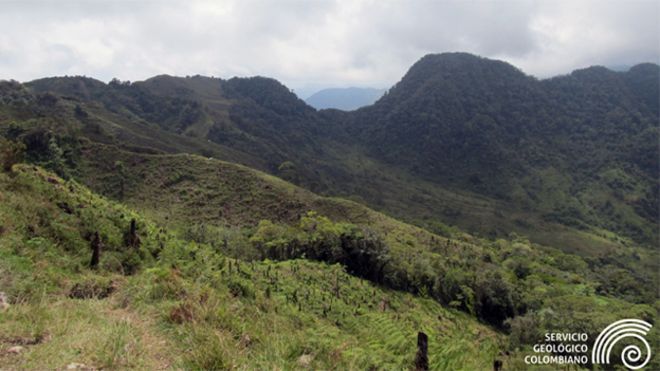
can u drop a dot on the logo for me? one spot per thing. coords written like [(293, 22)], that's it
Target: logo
[(561, 348), (631, 355)]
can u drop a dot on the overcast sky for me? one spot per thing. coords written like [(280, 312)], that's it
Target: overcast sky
[(313, 44)]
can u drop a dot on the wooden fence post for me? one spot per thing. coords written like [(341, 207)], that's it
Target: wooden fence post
[(422, 357)]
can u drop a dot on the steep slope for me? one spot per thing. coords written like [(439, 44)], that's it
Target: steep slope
[(475, 124), (254, 121), (88, 108), (143, 306), (208, 199)]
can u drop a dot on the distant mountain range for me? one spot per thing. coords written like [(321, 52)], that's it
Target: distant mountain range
[(345, 99)]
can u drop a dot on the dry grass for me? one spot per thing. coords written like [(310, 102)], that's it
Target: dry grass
[(96, 333)]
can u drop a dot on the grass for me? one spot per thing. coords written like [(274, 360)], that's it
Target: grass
[(56, 332), (178, 303), (189, 309), (298, 315), (227, 200)]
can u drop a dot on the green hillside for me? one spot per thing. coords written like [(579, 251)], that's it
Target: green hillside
[(461, 140), (142, 303), (472, 202), (187, 293)]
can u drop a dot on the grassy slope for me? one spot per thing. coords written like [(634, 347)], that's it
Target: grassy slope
[(222, 312), (247, 314), (394, 191), (184, 190)]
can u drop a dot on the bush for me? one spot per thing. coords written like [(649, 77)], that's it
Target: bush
[(239, 289), (523, 330), (92, 288), (10, 153), (494, 300), (452, 288), (362, 251)]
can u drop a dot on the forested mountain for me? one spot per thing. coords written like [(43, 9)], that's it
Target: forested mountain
[(345, 99), (527, 201), (564, 150), (482, 125)]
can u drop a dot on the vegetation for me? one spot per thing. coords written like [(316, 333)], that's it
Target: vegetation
[(534, 154), (324, 315), (10, 153), (542, 145), (187, 295), (128, 229)]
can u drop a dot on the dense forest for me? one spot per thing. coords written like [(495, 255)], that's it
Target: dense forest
[(472, 202)]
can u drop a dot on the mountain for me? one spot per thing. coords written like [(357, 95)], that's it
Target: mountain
[(471, 123), (470, 194), (460, 140), (345, 99)]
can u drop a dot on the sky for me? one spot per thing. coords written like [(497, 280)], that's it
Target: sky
[(312, 44)]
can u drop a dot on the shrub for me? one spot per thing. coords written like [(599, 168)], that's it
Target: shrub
[(10, 153), (523, 330), (240, 289), (92, 288), (494, 300)]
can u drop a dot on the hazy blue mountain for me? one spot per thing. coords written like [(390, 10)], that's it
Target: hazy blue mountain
[(346, 99), (619, 67)]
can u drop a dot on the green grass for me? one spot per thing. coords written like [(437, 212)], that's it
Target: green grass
[(183, 304), (225, 201), (190, 300), (56, 332)]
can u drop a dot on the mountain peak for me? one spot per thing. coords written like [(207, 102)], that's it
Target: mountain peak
[(645, 68), (459, 61), (437, 78), (267, 92), (594, 72), (450, 56), (81, 87)]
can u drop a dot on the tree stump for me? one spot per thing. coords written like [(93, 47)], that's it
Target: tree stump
[(132, 238), (422, 357), (96, 251)]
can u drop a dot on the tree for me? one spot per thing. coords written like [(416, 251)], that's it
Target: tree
[(493, 298), (10, 153), (56, 160)]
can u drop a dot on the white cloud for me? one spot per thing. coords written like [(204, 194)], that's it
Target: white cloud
[(316, 43)]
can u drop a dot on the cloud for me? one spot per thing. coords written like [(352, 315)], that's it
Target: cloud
[(316, 43)]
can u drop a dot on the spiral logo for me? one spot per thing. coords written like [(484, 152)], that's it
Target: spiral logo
[(631, 355)]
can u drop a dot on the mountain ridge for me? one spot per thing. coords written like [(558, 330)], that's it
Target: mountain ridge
[(483, 128), (228, 207)]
